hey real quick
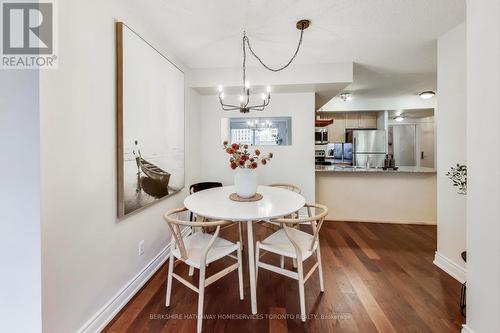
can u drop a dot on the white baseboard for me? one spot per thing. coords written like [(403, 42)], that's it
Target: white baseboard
[(466, 329), (336, 219), (449, 267), (102, 317)]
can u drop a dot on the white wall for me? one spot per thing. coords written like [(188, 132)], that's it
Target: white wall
[(450, 120), (20, 278), (291, 164), (483, 141), (208, 79), (88, 256)]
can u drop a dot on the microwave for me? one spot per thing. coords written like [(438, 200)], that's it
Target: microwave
[(321, 135)]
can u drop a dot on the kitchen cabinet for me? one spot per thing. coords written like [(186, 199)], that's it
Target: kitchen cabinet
[(352, 120), (368, 120), (347, 120), (336, 131)]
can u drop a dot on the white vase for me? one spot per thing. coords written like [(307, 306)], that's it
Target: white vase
[(245, 182)]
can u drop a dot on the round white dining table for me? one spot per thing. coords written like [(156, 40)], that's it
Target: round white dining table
[(215, 204)]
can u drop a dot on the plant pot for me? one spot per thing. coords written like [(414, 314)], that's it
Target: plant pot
[(245, 182)]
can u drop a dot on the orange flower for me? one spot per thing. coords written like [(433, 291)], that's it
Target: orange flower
[(239, 156)]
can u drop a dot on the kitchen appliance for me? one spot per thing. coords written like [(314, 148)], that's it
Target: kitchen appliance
[(347, 152), (320, 154), (369, 147), (340, 153), (321, 135)]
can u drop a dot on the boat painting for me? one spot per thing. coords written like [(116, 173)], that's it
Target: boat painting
[(150, 124), (154, 172)]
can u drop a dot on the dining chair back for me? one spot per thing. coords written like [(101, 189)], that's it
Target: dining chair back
[(203, 186), (197, 250), (197, 187), (316, 222), (290, 187)]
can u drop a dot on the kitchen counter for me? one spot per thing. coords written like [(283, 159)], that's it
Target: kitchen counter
[(350, 169), (407, 195)]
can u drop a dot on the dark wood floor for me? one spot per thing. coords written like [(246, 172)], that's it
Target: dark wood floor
[(378, 278)]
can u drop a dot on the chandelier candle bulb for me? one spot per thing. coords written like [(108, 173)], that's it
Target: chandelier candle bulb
[(220, 88)]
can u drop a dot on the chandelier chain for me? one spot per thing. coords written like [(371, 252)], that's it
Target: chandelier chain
[(245, 97), (246, 41)]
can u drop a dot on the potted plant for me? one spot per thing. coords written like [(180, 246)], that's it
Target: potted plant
[(245, 179), (458, 176)]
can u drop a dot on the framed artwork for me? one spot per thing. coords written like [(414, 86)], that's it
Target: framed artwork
[(150, 123)]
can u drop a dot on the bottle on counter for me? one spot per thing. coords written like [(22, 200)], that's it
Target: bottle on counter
[(393, 163)]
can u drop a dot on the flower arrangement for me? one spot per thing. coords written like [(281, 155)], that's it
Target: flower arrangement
[(241, 157), (458, 176)]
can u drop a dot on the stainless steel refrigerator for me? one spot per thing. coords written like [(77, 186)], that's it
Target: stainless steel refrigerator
[(369, 146)]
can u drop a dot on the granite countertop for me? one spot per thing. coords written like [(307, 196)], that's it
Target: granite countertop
[(350, 169)]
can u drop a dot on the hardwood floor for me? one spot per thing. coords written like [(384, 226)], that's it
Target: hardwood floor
[(378, 278)]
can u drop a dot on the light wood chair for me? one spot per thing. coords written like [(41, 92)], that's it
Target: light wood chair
[(290, 187), (295, 244), (198, 250), (197, 187), (275, 226)]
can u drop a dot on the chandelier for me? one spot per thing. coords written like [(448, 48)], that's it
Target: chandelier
[(244, 106), (256, 125)]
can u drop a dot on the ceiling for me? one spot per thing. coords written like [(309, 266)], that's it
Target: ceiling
[(372, 82), (393, 36), (375, 88)]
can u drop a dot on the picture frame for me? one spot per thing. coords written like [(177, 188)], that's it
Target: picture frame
[(149, 123)]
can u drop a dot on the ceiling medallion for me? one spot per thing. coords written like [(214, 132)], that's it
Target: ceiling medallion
[(244, 106)]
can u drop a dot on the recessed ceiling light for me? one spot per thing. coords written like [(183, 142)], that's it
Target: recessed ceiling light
[(427, 94), (400, 117), (346, 97)]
